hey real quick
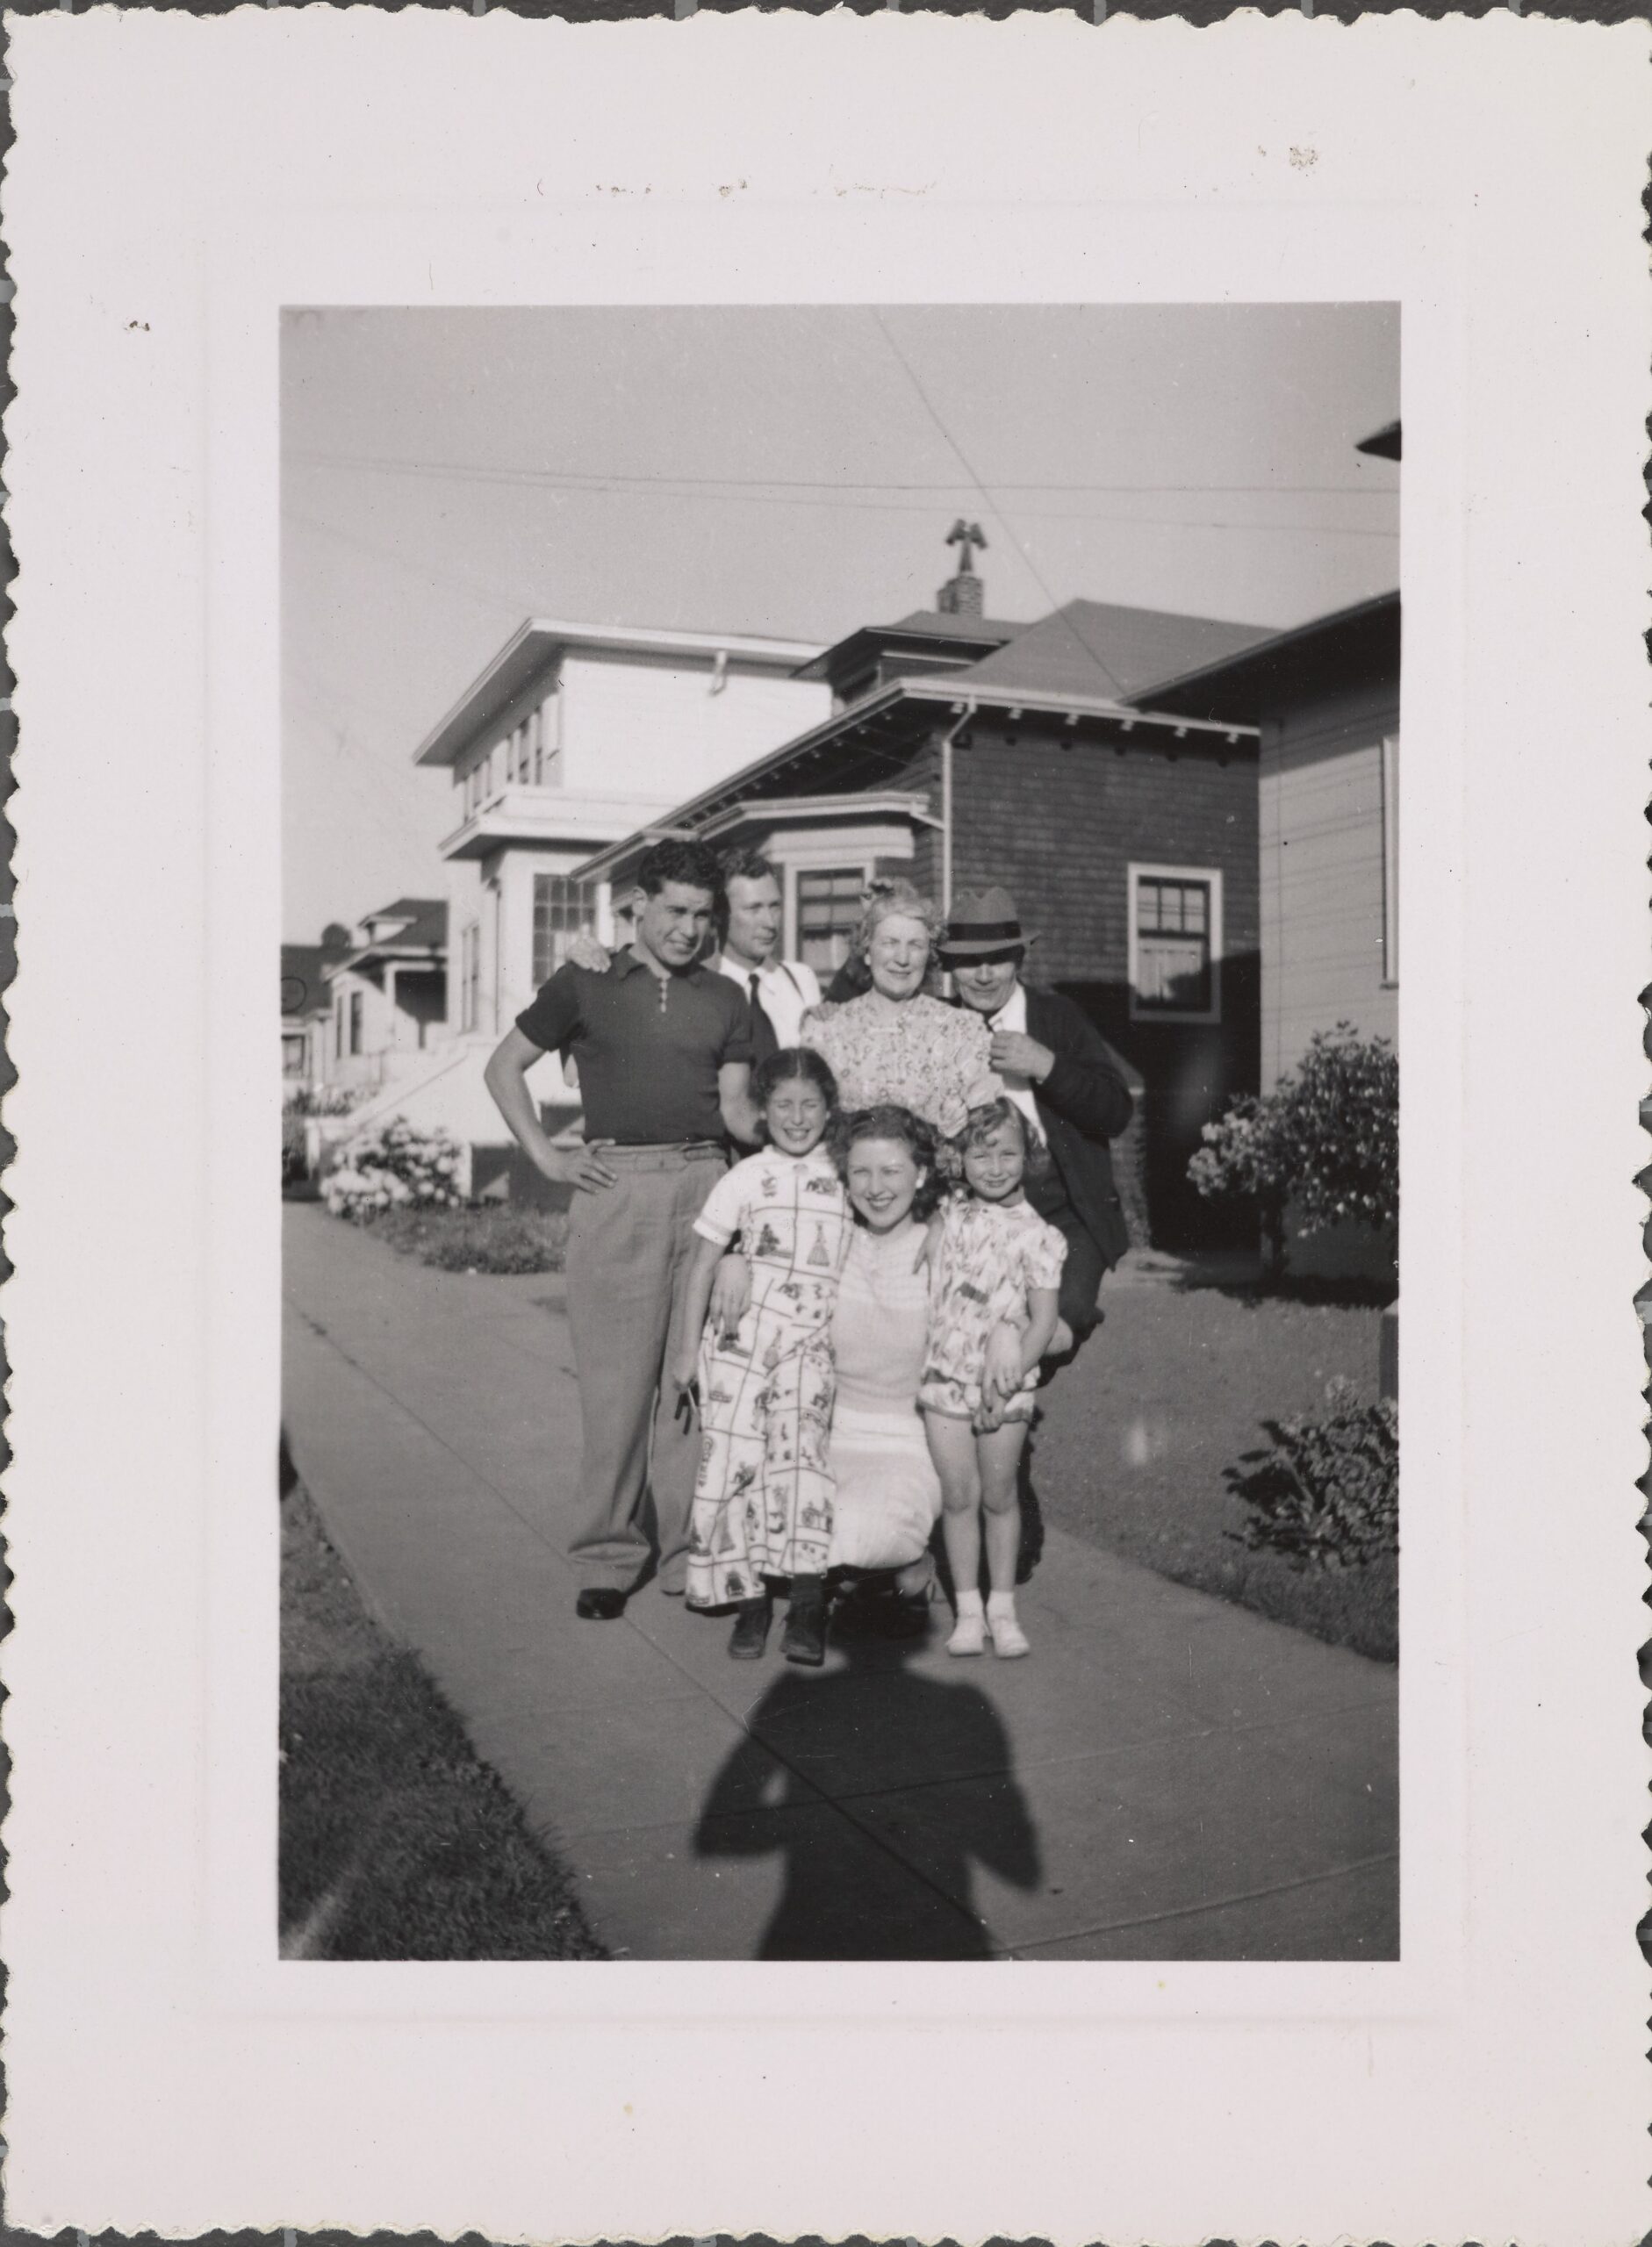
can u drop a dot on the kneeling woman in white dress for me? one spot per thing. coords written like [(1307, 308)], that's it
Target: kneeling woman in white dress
[(887, 1496)]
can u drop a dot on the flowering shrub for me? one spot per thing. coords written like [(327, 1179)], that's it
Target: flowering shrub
[(396, 1166), (1325, 1141), (301, 1103), (1325, 1494)]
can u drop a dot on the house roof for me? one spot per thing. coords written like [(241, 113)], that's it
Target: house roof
[(536, 643), (1098, 648), (861, 737), (1286, 666), (426, 916), (962, 633), (426, 933), (1383, 443)]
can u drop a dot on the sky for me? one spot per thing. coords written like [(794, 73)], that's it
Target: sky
[(783, 469)]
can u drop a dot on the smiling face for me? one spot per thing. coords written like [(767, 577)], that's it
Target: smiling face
[(672, 925), (754, 918), (994, 1163), (898, 956), (984, 984), (882, 1177), (795, 1113)]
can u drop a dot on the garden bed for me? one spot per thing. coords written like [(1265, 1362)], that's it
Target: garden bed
[(1173, 1390), (499, 1238), (396, 1840)]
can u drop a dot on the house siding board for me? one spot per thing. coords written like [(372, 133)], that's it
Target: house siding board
[(1060, 826), (619, 717), (1321, 842)]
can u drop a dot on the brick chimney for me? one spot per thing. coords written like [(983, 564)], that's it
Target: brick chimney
[(962, 593), (961, 596)]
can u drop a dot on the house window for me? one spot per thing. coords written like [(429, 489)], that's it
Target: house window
[(1390, 859), (356, 1022), (829, 908), (562, 908), (1176, 944), (548, 743), (292, 1052), (470, 976), (338, 1031)]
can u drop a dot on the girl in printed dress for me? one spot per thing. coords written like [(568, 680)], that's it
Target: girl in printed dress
[(995, 1265), (763, 1503)]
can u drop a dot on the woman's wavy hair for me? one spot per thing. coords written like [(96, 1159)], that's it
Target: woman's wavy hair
[(883, 900), (887, 1121)]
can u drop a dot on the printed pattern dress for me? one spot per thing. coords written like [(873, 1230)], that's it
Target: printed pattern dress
[(990, 1255), (763, 1501), (922, 1055)]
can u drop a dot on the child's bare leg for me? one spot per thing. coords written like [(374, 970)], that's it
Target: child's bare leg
[(952, 1448), (998, 1451)]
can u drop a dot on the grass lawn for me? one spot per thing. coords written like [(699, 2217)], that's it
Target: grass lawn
[(1171, 1391), (396, 1840), (501, 1237)]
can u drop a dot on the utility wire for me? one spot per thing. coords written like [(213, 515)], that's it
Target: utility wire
[(997, 511), (652, 488), (307, 456)]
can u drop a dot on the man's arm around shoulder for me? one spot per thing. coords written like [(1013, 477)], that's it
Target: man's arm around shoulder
[(1085, 1086)]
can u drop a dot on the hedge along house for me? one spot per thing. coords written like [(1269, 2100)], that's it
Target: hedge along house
[(1326, 702), (961, 751)]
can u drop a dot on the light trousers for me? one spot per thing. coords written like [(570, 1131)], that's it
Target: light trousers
[(629, 1245)]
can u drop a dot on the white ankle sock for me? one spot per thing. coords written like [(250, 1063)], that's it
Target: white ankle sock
[(1001, 1603), (968, 1603)]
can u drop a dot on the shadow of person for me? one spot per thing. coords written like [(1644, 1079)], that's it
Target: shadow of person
[(875, 1735)]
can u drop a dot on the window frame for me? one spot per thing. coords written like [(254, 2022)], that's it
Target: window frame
[(796, 875), (1137, 871), (592, 907)]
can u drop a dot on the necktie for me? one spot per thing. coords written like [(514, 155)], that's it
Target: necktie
[(763, 1041)]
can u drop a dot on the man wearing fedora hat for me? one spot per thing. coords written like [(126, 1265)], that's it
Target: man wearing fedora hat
[(1057, 1070)]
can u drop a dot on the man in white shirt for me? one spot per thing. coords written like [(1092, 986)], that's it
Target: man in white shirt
[(780, 992)]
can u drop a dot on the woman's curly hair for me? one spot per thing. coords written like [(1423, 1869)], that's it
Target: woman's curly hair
[(887, 1121), (885, 899)]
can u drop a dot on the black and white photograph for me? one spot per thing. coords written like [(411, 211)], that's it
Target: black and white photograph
[(840, 1043), (784, 633)]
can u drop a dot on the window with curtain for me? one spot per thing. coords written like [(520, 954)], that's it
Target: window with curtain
[(828, 909), (1174, 925), (563, 908)]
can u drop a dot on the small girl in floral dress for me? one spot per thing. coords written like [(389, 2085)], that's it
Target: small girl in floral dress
[(763, 1503), (994, 1263)]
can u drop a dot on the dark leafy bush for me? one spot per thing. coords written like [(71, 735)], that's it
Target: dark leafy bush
[(499, 1238), (1326, 1493), (1323, 1143)]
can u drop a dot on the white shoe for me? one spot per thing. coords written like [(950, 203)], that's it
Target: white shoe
[(1008, 1637), (969, 1635)]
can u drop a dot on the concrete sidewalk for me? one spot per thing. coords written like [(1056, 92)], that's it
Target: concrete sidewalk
[(1168, 1777)]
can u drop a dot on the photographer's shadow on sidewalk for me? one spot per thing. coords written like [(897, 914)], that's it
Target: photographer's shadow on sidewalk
[(890, 1874)]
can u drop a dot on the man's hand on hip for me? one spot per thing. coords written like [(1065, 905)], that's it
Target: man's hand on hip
[(582, 1168)]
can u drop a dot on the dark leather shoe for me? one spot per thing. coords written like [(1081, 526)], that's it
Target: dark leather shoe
[(599, 1603), (750, 1632), (804, 1639)]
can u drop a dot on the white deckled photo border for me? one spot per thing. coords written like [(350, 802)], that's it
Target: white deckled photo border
[(615, 170)]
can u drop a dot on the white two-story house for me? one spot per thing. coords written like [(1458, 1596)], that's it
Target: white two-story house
[(574, 735)]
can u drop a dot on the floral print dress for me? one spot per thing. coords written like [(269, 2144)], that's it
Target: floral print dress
[(763, 1501), (990, 1255), (923, 1055)]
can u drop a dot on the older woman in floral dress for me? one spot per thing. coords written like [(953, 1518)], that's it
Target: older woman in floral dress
[(896, 1044)]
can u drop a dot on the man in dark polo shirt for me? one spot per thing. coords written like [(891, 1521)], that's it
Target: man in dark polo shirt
[(664, 1049)]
